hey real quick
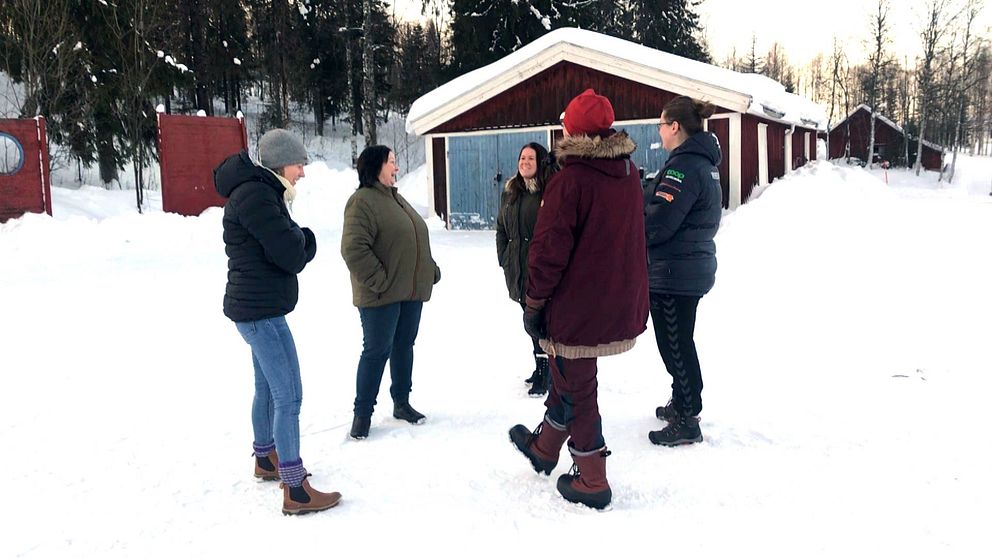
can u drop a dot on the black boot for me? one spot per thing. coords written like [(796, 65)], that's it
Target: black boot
[(403, 411), (667, 412), (542, 377), (681, 430), (360, 427)]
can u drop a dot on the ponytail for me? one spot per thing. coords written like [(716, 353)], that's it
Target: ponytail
[(689, 113)]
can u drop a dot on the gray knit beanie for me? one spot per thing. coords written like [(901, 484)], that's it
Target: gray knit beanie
[(279, 148)]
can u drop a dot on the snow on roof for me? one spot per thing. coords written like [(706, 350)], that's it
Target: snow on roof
[(889, 123), (751, 93)]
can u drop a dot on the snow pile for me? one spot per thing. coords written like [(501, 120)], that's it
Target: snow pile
[(844, 350)]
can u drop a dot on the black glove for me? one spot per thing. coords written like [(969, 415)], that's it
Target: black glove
[(534, 322)]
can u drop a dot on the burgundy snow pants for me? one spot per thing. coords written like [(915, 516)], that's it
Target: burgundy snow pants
[(572, 401)]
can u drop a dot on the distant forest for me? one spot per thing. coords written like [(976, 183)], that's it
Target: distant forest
[(96, 69)]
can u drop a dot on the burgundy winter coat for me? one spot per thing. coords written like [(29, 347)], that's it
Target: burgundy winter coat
[(587, 261)]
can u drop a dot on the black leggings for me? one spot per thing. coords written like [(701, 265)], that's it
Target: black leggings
[(674, 319)]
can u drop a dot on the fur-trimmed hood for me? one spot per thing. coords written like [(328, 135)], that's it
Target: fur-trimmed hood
[(614, 146)]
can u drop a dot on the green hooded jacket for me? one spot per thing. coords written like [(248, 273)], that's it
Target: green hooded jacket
[(387, 248)]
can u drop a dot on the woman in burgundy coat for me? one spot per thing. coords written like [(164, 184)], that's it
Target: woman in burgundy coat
[(587, 293)]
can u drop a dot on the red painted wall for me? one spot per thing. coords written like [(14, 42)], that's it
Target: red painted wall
[(28, 190), (190, 148), (540, 99), (440, 170)]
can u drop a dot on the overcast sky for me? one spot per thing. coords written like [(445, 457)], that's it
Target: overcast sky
[(802, 28)]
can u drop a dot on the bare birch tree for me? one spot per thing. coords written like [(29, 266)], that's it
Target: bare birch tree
[(877, 63), (934, 27), (967, 81)]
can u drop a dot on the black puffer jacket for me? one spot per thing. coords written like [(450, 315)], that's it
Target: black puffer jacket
[(514, 229), (682, 209), (265, 248)]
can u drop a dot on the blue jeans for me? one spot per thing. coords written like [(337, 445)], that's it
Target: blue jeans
[(275, 411), (389, 334)]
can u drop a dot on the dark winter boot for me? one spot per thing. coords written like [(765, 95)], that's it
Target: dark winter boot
[(542, 446), (586, 483), (267, 467), (360, 427), (542, 377), (680, 430), (666, 413), (403, 411)]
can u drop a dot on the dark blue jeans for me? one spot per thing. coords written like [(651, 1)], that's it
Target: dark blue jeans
[(389, 334)]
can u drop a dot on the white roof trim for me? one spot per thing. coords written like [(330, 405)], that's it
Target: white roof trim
[(732, 90)]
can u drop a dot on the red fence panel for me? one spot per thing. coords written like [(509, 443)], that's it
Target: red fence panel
[(189, 148), (25, 182)]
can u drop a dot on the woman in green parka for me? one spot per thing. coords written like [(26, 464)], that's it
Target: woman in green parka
[(514, 228), (387, 248)]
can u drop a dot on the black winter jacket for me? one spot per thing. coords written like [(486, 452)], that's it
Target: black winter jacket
[(514, 229), (265, 248), (682, 209)]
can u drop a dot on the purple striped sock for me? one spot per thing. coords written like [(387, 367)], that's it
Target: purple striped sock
[(262, 451), (292, 473)]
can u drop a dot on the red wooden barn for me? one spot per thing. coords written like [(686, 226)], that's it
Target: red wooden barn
[(25, 185), (475, 125), (889, 141)]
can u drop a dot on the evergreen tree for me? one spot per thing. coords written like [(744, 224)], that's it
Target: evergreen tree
[(669, 25)]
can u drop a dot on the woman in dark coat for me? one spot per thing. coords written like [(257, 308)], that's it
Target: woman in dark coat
[(682, 215), (514, 228), (387, 248), (265, 251)]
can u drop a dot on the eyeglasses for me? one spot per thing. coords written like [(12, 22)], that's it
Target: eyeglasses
[(660, 124)]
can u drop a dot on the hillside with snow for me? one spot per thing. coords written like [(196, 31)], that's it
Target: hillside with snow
[(844, 352)]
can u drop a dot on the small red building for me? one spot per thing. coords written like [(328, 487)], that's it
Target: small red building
[(25, 184), (475, 124), (854, 132)]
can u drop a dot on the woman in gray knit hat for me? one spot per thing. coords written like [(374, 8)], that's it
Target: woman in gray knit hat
[(266, 250)]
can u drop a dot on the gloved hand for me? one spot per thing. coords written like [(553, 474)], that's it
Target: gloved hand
[(534, 319)]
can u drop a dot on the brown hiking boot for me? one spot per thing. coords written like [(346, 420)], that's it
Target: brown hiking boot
[(542, 446), (262, 464), (586, 483), (303, 499)]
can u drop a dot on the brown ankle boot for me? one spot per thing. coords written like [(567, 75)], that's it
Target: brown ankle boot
[(542, 446), (586, 483), (266, 474), (305, 499)]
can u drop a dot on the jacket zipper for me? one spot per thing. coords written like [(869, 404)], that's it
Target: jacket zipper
[(416, 238)]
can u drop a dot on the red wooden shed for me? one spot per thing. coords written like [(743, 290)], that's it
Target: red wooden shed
[(190, 148), (25, 183), (474, 125), (854, 131)]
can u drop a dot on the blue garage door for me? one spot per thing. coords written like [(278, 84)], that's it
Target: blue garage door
[(646, 135), (479, 166)]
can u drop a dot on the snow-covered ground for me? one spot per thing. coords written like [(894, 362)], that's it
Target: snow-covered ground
[(844, 349)]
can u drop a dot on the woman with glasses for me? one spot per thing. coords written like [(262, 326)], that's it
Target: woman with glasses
[(681, 218)]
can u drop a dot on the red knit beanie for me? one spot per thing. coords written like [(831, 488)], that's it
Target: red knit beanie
[(588, 114)]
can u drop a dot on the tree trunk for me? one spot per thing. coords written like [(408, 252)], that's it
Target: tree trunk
[(368, 77)]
